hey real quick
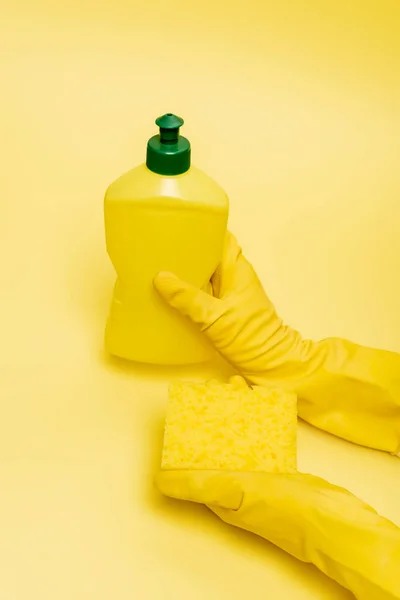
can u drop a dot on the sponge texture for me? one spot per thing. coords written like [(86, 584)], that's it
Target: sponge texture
[(230, 427)]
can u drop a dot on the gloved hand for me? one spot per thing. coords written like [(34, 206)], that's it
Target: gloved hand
[(351, 391), (307, 517)]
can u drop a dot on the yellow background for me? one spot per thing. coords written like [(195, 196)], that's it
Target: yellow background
[(294, 108)]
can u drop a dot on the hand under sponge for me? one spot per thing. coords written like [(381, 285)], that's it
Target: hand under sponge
[(230, 427)]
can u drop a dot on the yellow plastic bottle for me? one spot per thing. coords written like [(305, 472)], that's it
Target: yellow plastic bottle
[(164, 215)]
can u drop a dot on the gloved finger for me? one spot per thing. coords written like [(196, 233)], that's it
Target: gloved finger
[(234, 273), (223, 280), (186, 298), (238, 381), (213, 488)]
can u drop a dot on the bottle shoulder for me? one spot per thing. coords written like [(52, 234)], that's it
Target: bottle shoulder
[(140, 184)]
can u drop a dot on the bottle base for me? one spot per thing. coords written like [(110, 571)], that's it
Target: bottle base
[(194, 350)]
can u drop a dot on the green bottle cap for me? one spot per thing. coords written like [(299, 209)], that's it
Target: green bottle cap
[(168, 153)]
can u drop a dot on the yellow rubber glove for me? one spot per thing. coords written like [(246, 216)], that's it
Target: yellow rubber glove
[(307, 517), (351, 391)]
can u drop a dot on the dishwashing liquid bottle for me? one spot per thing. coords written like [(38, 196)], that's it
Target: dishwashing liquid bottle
[(164, 215)]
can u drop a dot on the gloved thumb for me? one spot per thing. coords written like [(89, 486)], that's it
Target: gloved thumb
[(186, 298), (216, 489)]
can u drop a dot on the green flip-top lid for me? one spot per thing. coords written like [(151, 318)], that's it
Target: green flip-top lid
[(168, 153)]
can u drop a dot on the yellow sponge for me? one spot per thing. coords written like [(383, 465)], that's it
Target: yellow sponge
[(230, 427)]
